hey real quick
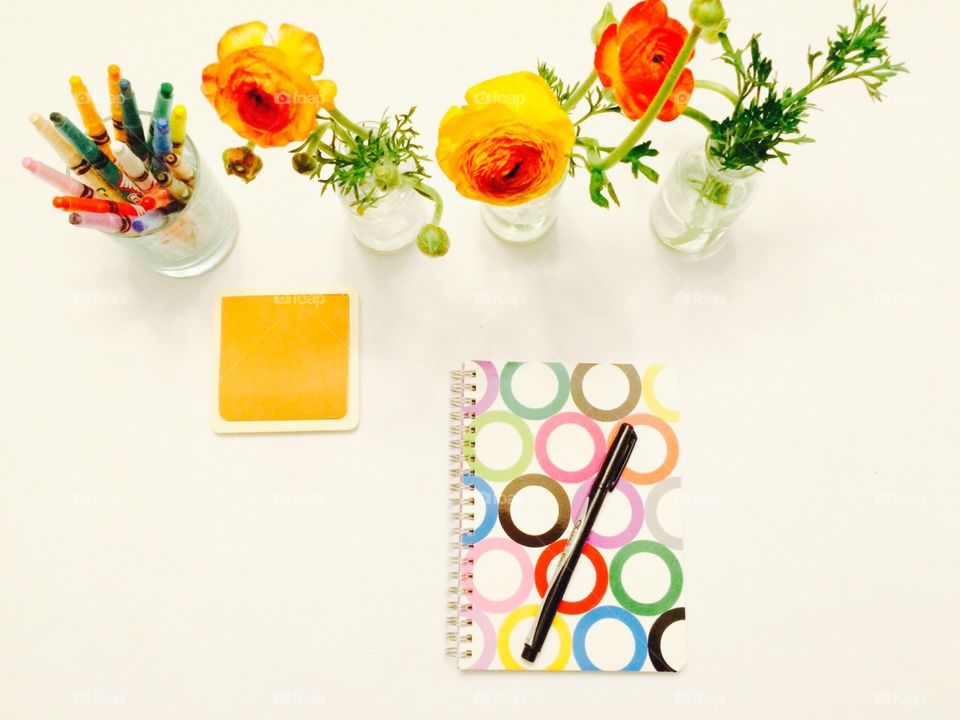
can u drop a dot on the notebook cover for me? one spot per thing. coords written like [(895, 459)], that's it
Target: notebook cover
[(530, 439)]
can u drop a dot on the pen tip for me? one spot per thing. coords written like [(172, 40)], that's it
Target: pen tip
[(528, 654)]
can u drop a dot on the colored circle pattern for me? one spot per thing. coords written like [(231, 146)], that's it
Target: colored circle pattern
[(526, 574), (616, 578), (489, 497), (599, 447), (563, 510), (656, 637), (593, 598), (530, 413), (590, 410), (526, 446), (524, 612), (492, 389), (669, 460), (611, 612), (654, 498), (632, 528)]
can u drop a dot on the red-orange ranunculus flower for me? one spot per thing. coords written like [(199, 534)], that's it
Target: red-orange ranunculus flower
[(634, 57), (267, 93)]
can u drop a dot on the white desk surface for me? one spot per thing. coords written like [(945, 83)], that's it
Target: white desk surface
[(152, 569)]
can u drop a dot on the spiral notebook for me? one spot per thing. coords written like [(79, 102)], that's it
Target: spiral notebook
[(529, 439)]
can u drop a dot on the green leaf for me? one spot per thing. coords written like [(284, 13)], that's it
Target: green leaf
[(598, 183), (634, 159)]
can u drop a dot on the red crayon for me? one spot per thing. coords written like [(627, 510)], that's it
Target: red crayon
[(96, 205)]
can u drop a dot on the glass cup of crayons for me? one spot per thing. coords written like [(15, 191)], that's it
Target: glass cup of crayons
[(148, 188)]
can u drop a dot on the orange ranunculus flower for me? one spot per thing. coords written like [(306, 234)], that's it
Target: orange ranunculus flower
[(267, 93), (509, 144), (635, 56)]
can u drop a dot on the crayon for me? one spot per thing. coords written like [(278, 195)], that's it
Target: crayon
[(97, 206), (179, 167), (86, 147), (132, 124), (174, 186), (104, 222), (116, 113), (151, 221), (134, 168), (64, 183), (91, 118), (161, 138), (69, 155), (178, 128), (161, 108)]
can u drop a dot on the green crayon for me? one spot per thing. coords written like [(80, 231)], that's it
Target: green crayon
[(87, 148), (161, 107), (131, 113)]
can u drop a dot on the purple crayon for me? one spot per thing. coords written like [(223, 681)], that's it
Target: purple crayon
[(104, 222)]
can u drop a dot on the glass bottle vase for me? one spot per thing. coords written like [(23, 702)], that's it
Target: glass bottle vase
[(699, 201)]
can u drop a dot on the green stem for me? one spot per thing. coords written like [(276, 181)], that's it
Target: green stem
[(659, 100), (346, 122), (700, 117), (251, 145), (581, 90), (717, 88), (425, 189)]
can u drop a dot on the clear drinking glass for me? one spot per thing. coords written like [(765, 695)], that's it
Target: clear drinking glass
[(195, 238), (699, 201), (526, 222), (392, 223)]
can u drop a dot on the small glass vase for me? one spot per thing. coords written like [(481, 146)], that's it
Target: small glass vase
[(392, 223), (524, 223), (699, 201)]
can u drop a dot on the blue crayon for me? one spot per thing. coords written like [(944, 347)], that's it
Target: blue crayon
[(162, 144), (149, 221)]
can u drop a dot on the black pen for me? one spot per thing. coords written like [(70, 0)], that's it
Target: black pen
[(609, 474)]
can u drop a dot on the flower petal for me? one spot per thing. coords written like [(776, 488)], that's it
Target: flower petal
[(248, 35), (679, 98), (209, 87), (643, 17), (607, 58), (327, 92), (302, 48)]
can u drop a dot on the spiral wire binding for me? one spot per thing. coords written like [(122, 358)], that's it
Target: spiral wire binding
[(462, 501)]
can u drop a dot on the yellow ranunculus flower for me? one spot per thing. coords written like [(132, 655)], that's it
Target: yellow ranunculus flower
[(509, 144)]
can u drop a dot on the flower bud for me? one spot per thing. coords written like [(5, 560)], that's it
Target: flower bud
[(707, 14), (242, 162), (304, 163), (433, 241), (386, 174), (606, 20), (712, 35)]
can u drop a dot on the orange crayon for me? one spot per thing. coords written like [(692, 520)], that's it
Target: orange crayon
[(91, 118), (116, 113), (95, 205)]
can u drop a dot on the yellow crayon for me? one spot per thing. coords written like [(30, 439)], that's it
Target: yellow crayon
[(74, 161), (116, 113), (178, 128), (91, 118)]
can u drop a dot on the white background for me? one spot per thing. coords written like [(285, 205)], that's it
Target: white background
[(152, 570)]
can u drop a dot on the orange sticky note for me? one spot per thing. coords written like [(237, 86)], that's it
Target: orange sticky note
[(288, 362)]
